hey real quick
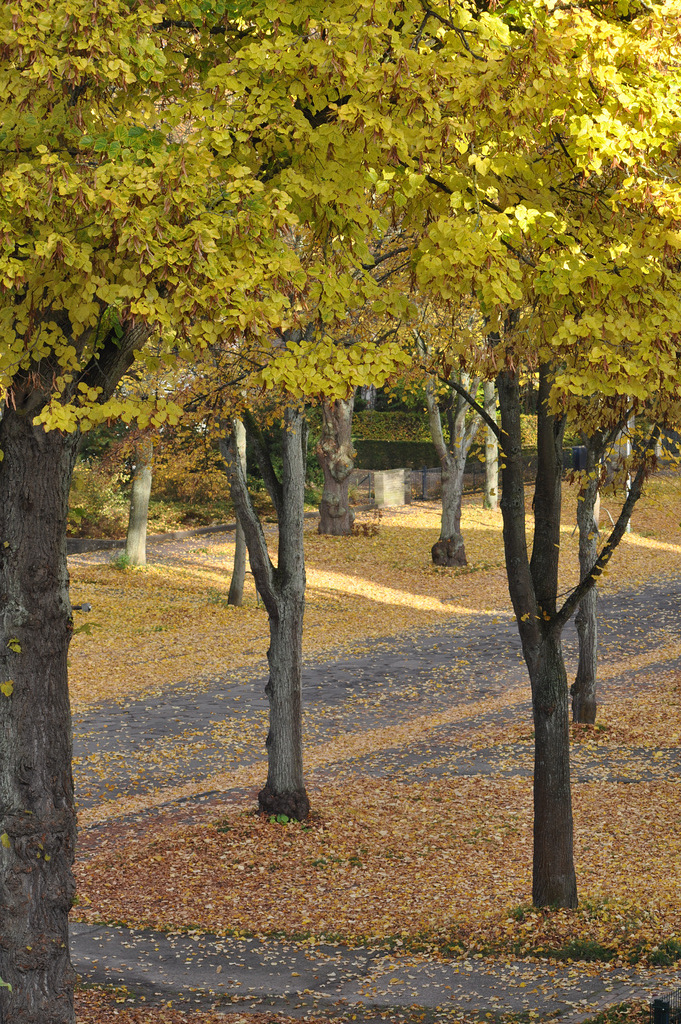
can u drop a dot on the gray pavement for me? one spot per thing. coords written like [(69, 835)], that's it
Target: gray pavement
[(354, 983), (190, 733)]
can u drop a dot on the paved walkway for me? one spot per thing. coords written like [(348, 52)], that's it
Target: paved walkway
[(180, 737), (359, 984), (188, 735)]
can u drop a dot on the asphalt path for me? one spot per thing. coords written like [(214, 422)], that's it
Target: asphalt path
[(190, 733)]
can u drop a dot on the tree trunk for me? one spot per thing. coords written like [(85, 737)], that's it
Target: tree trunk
[(553, 874), (282, 589), (533, 586), (336, 457), (37, 815), (450, 549), (491, 496), (583, 690), (236, 587), (136, 540), (284, 791)]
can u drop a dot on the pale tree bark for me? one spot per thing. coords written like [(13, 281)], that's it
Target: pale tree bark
[(491, 494), (136, 539), (450, 549), (236, 587), (282, 588), (37, 813), (336, 457)]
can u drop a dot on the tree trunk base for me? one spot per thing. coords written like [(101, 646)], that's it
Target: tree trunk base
[(293, 805), (335, 518), (583, 709), (449, 551)]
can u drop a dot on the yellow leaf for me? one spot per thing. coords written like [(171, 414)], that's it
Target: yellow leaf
[(7, 688)]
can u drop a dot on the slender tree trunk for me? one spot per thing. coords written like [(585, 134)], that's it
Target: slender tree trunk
[(37, 815), (136, 540), (282, 589), (533, 586), (236, 587), (583, 690), (336, 457), (450, 549), (553, 876), (491, 496)]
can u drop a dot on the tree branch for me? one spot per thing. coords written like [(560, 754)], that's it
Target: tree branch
[(261, 564), (494, 427), (264, 461), (589, 581)]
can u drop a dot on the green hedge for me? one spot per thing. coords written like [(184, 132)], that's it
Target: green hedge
[(416, 454), (390, 426), (395, 454), (413, 427)]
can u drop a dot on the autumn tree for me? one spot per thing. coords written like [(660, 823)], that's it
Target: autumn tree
[(236, 586), (549, 207), (462, 425), (289, 377), (282, 588), (109, 205), (491, 488), (136, 538)]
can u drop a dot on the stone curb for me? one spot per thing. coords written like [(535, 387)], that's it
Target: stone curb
[(80, 545)]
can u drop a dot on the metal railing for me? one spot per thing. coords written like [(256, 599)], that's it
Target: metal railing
[(666, 1009)]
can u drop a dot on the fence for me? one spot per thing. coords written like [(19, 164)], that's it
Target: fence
[(426, 483), (666, 1009)]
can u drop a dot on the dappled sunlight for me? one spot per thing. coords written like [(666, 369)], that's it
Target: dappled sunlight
[(169, 623), (648, 542), (341, 583)]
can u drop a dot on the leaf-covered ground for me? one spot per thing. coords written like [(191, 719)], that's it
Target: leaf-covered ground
[(441, 866), (170, 623), (410, 853), (94, 1006)]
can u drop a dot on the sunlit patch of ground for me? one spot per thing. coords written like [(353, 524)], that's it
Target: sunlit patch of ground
[(169, 623)]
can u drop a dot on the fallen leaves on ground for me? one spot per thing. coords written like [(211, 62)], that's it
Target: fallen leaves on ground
[(169, 623), (97, 1006), (442, 866)]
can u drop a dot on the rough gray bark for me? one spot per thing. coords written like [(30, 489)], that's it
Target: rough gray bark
[(236, 587), (282, 588), (583, 690), (491, 494), (533, 586), (37, 814), (449, 549), (136, 538), (336, 457), (37, 820)]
